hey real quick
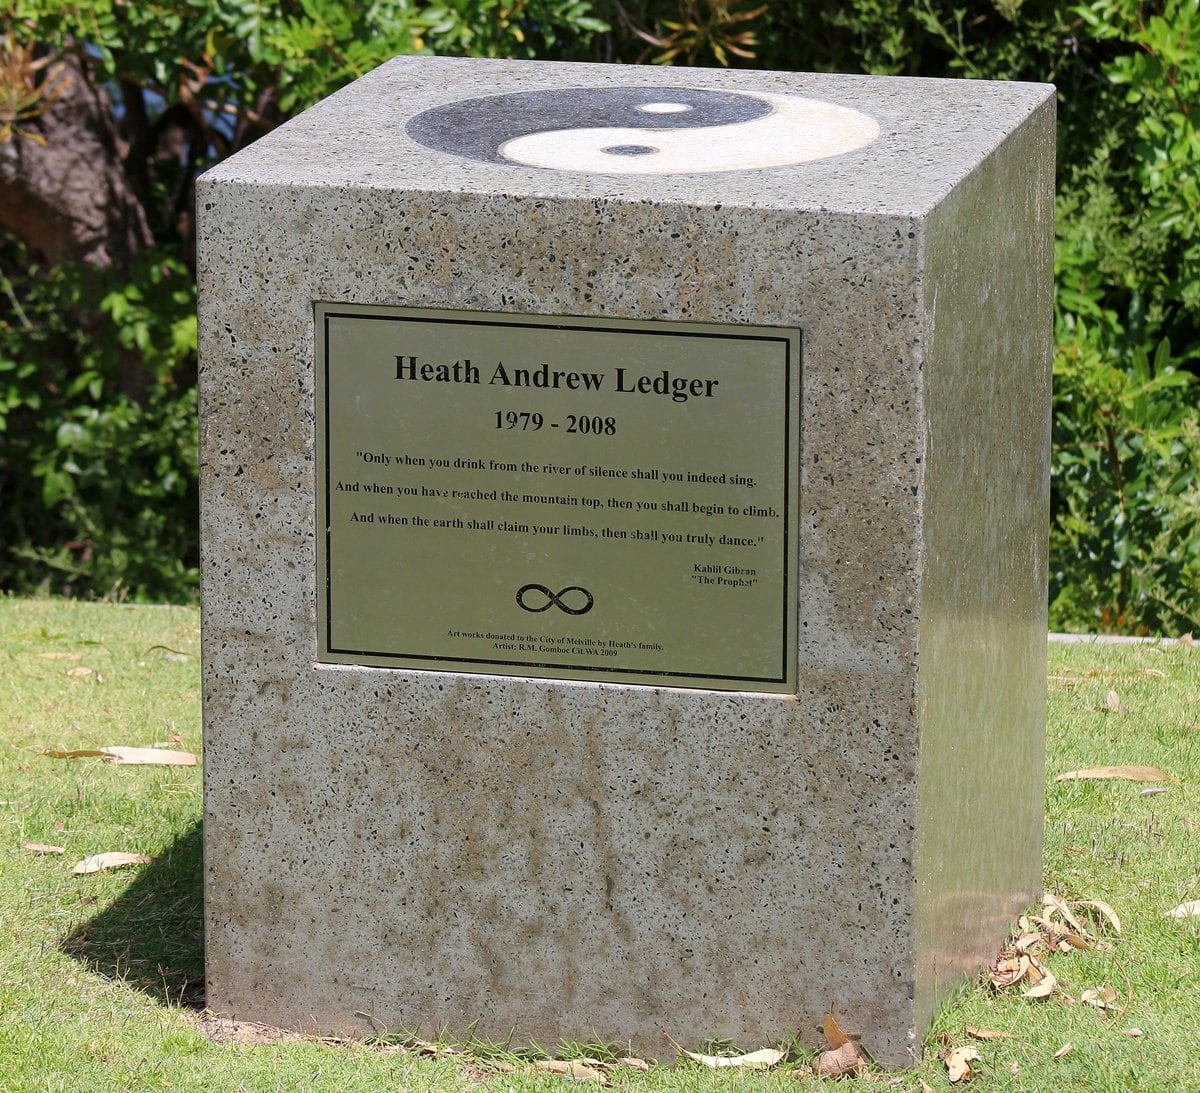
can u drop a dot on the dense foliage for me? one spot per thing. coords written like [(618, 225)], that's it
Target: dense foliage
[(97, 424)]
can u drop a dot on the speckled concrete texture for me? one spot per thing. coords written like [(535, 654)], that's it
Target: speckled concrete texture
[(398, 849)]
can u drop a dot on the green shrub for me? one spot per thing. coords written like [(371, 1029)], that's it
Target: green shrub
[(97, 468), (98, 432)]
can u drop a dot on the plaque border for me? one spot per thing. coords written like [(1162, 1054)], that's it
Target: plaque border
[(323, 311)]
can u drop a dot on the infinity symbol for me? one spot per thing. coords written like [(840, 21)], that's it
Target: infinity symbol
[(554, 600)]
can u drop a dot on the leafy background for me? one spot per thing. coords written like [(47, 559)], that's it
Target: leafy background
[(97, 344)]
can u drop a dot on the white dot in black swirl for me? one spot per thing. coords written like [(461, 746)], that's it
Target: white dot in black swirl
[(643, 130)]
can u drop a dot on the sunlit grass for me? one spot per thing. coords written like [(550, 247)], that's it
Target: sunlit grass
[(101, 976)]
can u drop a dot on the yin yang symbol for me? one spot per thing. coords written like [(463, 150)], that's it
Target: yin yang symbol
[(642, 131)]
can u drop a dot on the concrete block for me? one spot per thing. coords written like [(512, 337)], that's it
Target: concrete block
[(824, 787)]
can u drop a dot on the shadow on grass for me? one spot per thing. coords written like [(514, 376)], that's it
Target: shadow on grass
[(152, 937)]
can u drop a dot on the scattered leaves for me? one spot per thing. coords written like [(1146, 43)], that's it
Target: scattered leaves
[(754, 1060), (113, 859), (1132, 773), (958, 1062), (574, 1069), (1186, 910), (44, 848)]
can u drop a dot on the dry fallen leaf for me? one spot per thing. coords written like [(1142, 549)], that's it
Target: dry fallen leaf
[(114, 859), (1113, 701), (839, 1061), (1186, 910), (79, 671), (1064, 1050), (1074, 941), (634, 1064), (1153, 791), (427, 1047), (573, 1069), (832, 1031), (164, 757), (1010, 970), (989, 1034), (754, 1060), (160, 757), (1102, 999), (43, 848), (958, 1062), (1105, 911), (1132, 773), (1037, 970), (1056, 903), (1134, 1032), (1044, 987)]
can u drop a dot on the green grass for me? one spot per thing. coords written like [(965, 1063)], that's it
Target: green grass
[(100, 975)]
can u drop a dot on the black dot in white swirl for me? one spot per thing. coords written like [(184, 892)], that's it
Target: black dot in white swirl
[(642, 130)]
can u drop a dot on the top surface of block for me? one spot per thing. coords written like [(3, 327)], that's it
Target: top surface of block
[(849, 144)]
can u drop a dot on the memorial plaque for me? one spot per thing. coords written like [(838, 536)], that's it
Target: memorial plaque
[(558, 497)]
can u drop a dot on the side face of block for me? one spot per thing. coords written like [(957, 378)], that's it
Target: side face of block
[(989, 295), (571, 859)]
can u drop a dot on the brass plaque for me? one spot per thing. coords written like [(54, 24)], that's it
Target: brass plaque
[(566, 498)]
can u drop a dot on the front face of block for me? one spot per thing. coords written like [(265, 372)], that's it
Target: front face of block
[(408, 819)]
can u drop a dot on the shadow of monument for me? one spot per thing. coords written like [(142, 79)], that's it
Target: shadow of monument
[(151, 937)]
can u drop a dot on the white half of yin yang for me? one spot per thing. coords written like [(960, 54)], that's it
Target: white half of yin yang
[(797, 130)]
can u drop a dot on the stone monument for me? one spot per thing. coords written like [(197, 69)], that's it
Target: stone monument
[(624, 513)]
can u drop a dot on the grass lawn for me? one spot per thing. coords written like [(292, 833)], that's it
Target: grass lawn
[(100, 974)]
